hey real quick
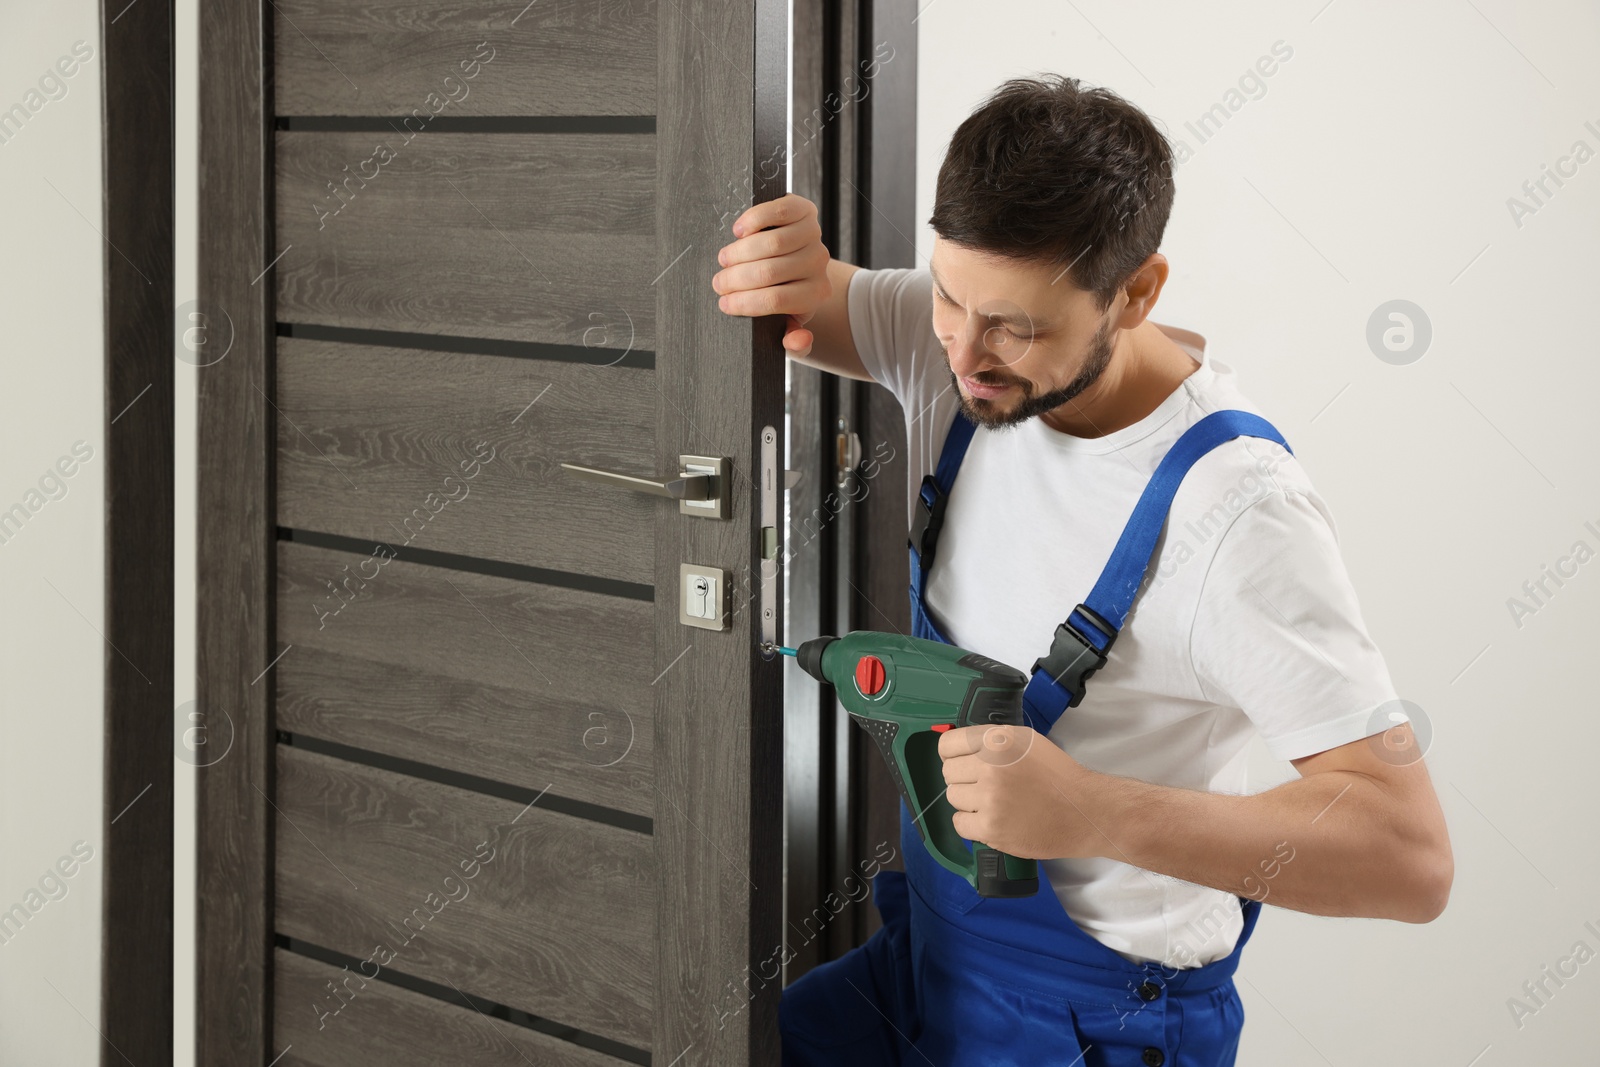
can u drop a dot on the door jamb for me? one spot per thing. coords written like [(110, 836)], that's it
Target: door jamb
[(849, 568), (136, 52)]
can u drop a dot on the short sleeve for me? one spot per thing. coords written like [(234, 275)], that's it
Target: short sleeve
[(891, 322), (1278, 631)]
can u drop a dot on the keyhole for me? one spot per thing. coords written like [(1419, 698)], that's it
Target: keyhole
[(702, 589)]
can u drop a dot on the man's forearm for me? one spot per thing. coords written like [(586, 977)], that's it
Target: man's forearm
[(1335, 843)]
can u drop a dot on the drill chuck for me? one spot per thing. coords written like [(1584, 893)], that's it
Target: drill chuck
[(809, 656)]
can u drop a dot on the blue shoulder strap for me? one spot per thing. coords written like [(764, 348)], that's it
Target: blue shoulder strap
[(1081, 644), (929, 517)]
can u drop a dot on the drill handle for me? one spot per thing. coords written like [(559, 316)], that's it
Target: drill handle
[(995, 873), (1000, 874)]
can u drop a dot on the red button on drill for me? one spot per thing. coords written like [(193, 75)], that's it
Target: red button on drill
[(869, 675)]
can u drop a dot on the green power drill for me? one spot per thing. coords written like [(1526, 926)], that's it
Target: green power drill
[(906, 691)]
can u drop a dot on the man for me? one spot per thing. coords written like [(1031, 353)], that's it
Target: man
[(1025, 358)]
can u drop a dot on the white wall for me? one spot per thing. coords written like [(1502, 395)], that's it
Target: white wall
[(1377, 165), (52, 568)]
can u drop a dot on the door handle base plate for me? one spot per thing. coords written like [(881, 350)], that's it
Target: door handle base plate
[(720, 468)]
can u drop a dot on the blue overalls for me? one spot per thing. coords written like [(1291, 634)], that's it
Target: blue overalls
[(952, 979)]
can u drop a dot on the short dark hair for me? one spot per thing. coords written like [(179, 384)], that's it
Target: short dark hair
[(1053, 171)]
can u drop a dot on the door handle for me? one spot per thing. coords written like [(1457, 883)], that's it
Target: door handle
[(683, 487), (700, 486)]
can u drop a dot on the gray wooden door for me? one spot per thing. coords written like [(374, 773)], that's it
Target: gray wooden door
[(485, 799)]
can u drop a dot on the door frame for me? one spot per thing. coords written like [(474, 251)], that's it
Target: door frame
[(136, 55), (719, 851), (849, 567), (884, 212)]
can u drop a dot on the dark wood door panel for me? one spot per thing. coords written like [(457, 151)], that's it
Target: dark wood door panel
[(516, 282), (379, 443), (557, 918), (546, 237), (533, 685), (375, 1023), (557, 57)]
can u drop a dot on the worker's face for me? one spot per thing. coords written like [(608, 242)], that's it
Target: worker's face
[(1019, 338)]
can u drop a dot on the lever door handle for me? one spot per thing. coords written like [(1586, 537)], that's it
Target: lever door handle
[(684, 486), (700, 486)]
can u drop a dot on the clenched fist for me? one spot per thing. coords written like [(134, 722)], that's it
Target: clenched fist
[(1013, 789)]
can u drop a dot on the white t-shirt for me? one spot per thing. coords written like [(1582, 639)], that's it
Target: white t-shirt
[(1248, 621)]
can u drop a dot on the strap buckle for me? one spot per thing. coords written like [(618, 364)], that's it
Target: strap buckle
[(927, 520), (1074, 655)]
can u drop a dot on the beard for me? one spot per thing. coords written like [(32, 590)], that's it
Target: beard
[(985, 413)]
